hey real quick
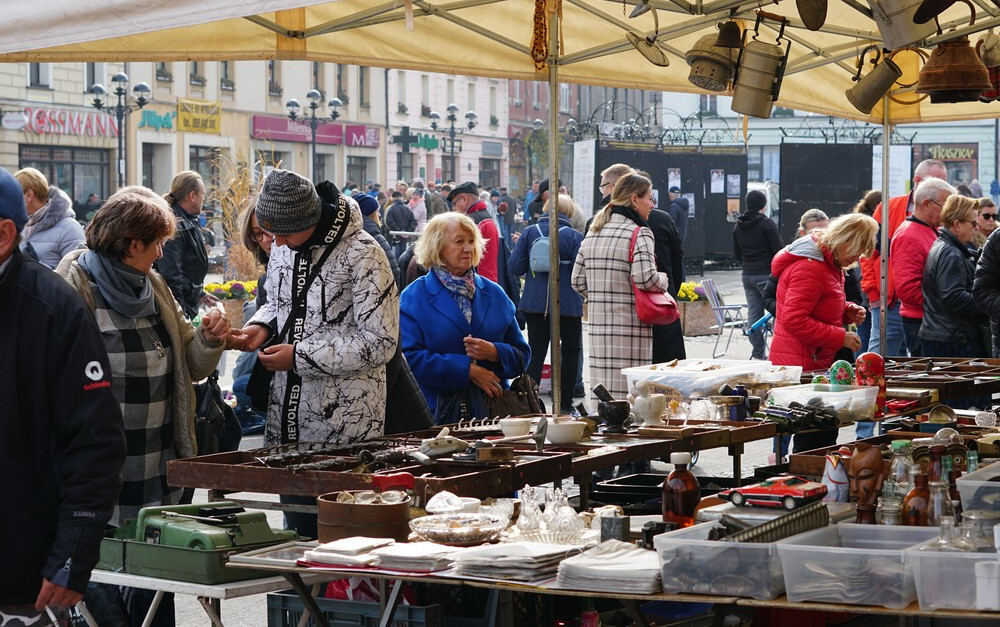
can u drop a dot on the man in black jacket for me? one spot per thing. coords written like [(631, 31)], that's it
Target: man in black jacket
[(62, 443), (755, 242), (678, 210), (399, 217), (986, 286), (184, 263)]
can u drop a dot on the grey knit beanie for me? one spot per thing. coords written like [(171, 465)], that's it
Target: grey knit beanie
[(287, 203)]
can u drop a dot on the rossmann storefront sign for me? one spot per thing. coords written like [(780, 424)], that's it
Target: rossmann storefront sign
[(61, 122)]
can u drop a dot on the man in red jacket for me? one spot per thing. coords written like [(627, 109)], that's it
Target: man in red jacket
[(910, 244), (900, 208), (465, 199)]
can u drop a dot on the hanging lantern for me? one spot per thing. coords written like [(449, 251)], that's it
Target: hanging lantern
[(711, 65)]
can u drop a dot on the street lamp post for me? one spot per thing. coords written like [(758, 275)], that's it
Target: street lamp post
[(470, 120), (315, 98), (120, 110)]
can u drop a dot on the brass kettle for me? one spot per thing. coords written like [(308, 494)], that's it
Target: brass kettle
[(954, 73)]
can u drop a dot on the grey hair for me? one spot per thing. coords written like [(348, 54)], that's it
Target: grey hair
[(929, 187), (926, 165)]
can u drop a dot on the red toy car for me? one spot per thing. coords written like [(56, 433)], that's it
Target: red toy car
[(787, 491)]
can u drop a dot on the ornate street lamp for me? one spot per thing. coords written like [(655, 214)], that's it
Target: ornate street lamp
[(315, 98), (471, 119), (120, 110)]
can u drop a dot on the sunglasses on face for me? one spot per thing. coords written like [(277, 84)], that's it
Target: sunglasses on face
[(988, 216)]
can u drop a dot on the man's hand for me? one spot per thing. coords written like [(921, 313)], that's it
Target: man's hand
[(481, 349), (485, 380), (56, 596), (278, 358), (247, 339), (852, 341), (215, 324), (516, 235)]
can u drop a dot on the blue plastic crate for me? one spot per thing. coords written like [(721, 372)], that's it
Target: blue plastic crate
[(284, 609)]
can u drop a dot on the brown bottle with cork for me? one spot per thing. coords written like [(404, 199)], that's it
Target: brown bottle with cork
[(681, 492), (915, 503)]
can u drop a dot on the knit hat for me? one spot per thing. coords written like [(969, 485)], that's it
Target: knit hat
[(12, 200), (495, 194), (756, 200), (367, 203), (287, 203)]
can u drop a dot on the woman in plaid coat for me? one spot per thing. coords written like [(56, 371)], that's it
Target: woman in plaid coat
[(603, 276)]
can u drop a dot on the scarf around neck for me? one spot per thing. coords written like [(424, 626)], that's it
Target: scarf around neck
[(462, 289), (124, 289), (629, 213)]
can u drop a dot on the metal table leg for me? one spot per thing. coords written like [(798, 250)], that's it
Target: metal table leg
[(212, 607), (392, 603), (307, 598), (155, 605), (584, 482), (736, 451), (634, 612)]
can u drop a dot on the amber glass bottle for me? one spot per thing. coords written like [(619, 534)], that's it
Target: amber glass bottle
[(915, 503), (681, 492)]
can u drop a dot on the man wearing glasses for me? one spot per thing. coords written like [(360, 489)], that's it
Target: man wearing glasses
[(986, 222), (900, 208), (909, 248)]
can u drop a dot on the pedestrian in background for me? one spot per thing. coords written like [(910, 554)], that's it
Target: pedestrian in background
[(986, 223), (755, 243), (52, 230), (185, 258)]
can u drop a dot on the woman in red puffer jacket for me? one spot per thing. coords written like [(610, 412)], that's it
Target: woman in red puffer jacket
[(811, 310)]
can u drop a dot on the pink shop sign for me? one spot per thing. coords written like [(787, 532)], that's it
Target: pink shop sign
[(361, 135), (283, 129)]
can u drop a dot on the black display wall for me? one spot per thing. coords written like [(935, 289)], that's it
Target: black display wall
[(830, 177)]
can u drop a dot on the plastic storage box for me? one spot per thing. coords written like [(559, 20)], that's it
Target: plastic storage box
[(851, 402), (284, 609), (690, 562), (852, 564), (696, 377), (951, 581), (980, 489)]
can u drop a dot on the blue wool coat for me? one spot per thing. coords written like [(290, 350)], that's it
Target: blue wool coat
[(535, 298), (433, 331)]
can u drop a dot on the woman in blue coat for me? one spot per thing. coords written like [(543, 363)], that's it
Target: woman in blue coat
[(535, 298), (458, 329)]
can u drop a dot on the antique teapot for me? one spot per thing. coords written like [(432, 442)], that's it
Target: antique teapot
[(955, 71), (759, 71)]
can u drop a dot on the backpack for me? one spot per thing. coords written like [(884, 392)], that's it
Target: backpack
[(538, 254)]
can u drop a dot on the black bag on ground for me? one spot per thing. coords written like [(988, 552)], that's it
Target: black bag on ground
[(216, 426)]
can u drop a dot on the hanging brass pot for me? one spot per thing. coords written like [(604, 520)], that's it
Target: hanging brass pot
[(955, 71), (730, 35), (711, 65), (759, 71), (872, 88)]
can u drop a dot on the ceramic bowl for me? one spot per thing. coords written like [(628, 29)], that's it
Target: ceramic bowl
[(568, 432), (470, 505), (512, 427)]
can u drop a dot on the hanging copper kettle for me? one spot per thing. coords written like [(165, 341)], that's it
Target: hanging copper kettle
[(955, 72)]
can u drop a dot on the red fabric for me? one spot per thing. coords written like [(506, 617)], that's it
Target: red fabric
[(910, 245), (488, 266), (871, 276), (811, 310)]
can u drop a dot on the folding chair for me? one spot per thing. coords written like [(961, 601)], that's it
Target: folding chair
[(726, 316)]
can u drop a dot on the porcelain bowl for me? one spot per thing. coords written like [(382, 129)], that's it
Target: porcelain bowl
[(512, 427), (568, 432)]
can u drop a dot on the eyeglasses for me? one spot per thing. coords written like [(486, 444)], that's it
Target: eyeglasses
[(603, 185), (935, 202), (972, 222), (260, 235), (988, 216), (371, 497)]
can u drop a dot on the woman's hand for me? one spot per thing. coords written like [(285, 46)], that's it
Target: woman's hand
[(485, 380), (481, 349), (278, 358), (247, 339), (852, 341), (215, 324), (855, 314)]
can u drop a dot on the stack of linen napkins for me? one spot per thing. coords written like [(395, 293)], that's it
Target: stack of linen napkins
[(347, 551), (613, 563), (515, 561), (421, 557)]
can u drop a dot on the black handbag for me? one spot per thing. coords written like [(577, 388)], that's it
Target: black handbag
[(217, 429)]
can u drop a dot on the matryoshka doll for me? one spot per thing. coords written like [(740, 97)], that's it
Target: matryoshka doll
[(870, 370)]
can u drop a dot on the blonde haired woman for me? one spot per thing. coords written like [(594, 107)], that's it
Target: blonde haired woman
[(52, 230), (951, 323), (459, 333), (185, 259), (603, 275)]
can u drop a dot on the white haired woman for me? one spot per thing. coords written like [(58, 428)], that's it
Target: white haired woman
[(458, 329)]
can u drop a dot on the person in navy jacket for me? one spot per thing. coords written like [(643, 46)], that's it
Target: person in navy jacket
[(458, 329)]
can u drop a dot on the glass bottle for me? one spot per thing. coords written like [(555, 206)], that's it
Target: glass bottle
[(899, 467), (891, 510), (966, 539), (935, 465), (939, 503), (956, 498), (915, 503), (946, 538), (971, 461), (983, 522), (681, 492)]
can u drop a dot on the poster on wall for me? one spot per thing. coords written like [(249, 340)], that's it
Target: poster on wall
[(690, 198), (673, 177), (718, 181), (733, 186), (732, 209), (656, 198), (900, 158), (584, 164)]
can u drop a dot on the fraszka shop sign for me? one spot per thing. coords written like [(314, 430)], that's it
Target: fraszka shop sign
[(60, 122)]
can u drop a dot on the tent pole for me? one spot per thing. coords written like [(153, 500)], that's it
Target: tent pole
[(884, 257), (553, 207)]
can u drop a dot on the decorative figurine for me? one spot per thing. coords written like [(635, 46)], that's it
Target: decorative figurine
[(821, 379), (865, 473), (841, 373), (787, 491), (649, 407), (835, 476), (870, 370)]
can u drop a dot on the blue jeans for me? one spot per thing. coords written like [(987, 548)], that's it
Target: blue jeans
[(895, 342), (865, 333), (911, 327), (755, 309)]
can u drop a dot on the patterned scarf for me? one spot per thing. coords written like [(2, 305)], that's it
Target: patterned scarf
[(462, 289)]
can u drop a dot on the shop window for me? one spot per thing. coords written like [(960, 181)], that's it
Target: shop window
[(40, 75), (77, 171), (489, 172), (357, 169)]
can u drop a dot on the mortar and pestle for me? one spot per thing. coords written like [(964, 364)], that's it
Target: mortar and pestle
[(614, 413)]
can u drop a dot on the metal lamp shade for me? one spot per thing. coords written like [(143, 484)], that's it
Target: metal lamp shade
[(647, 46)]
